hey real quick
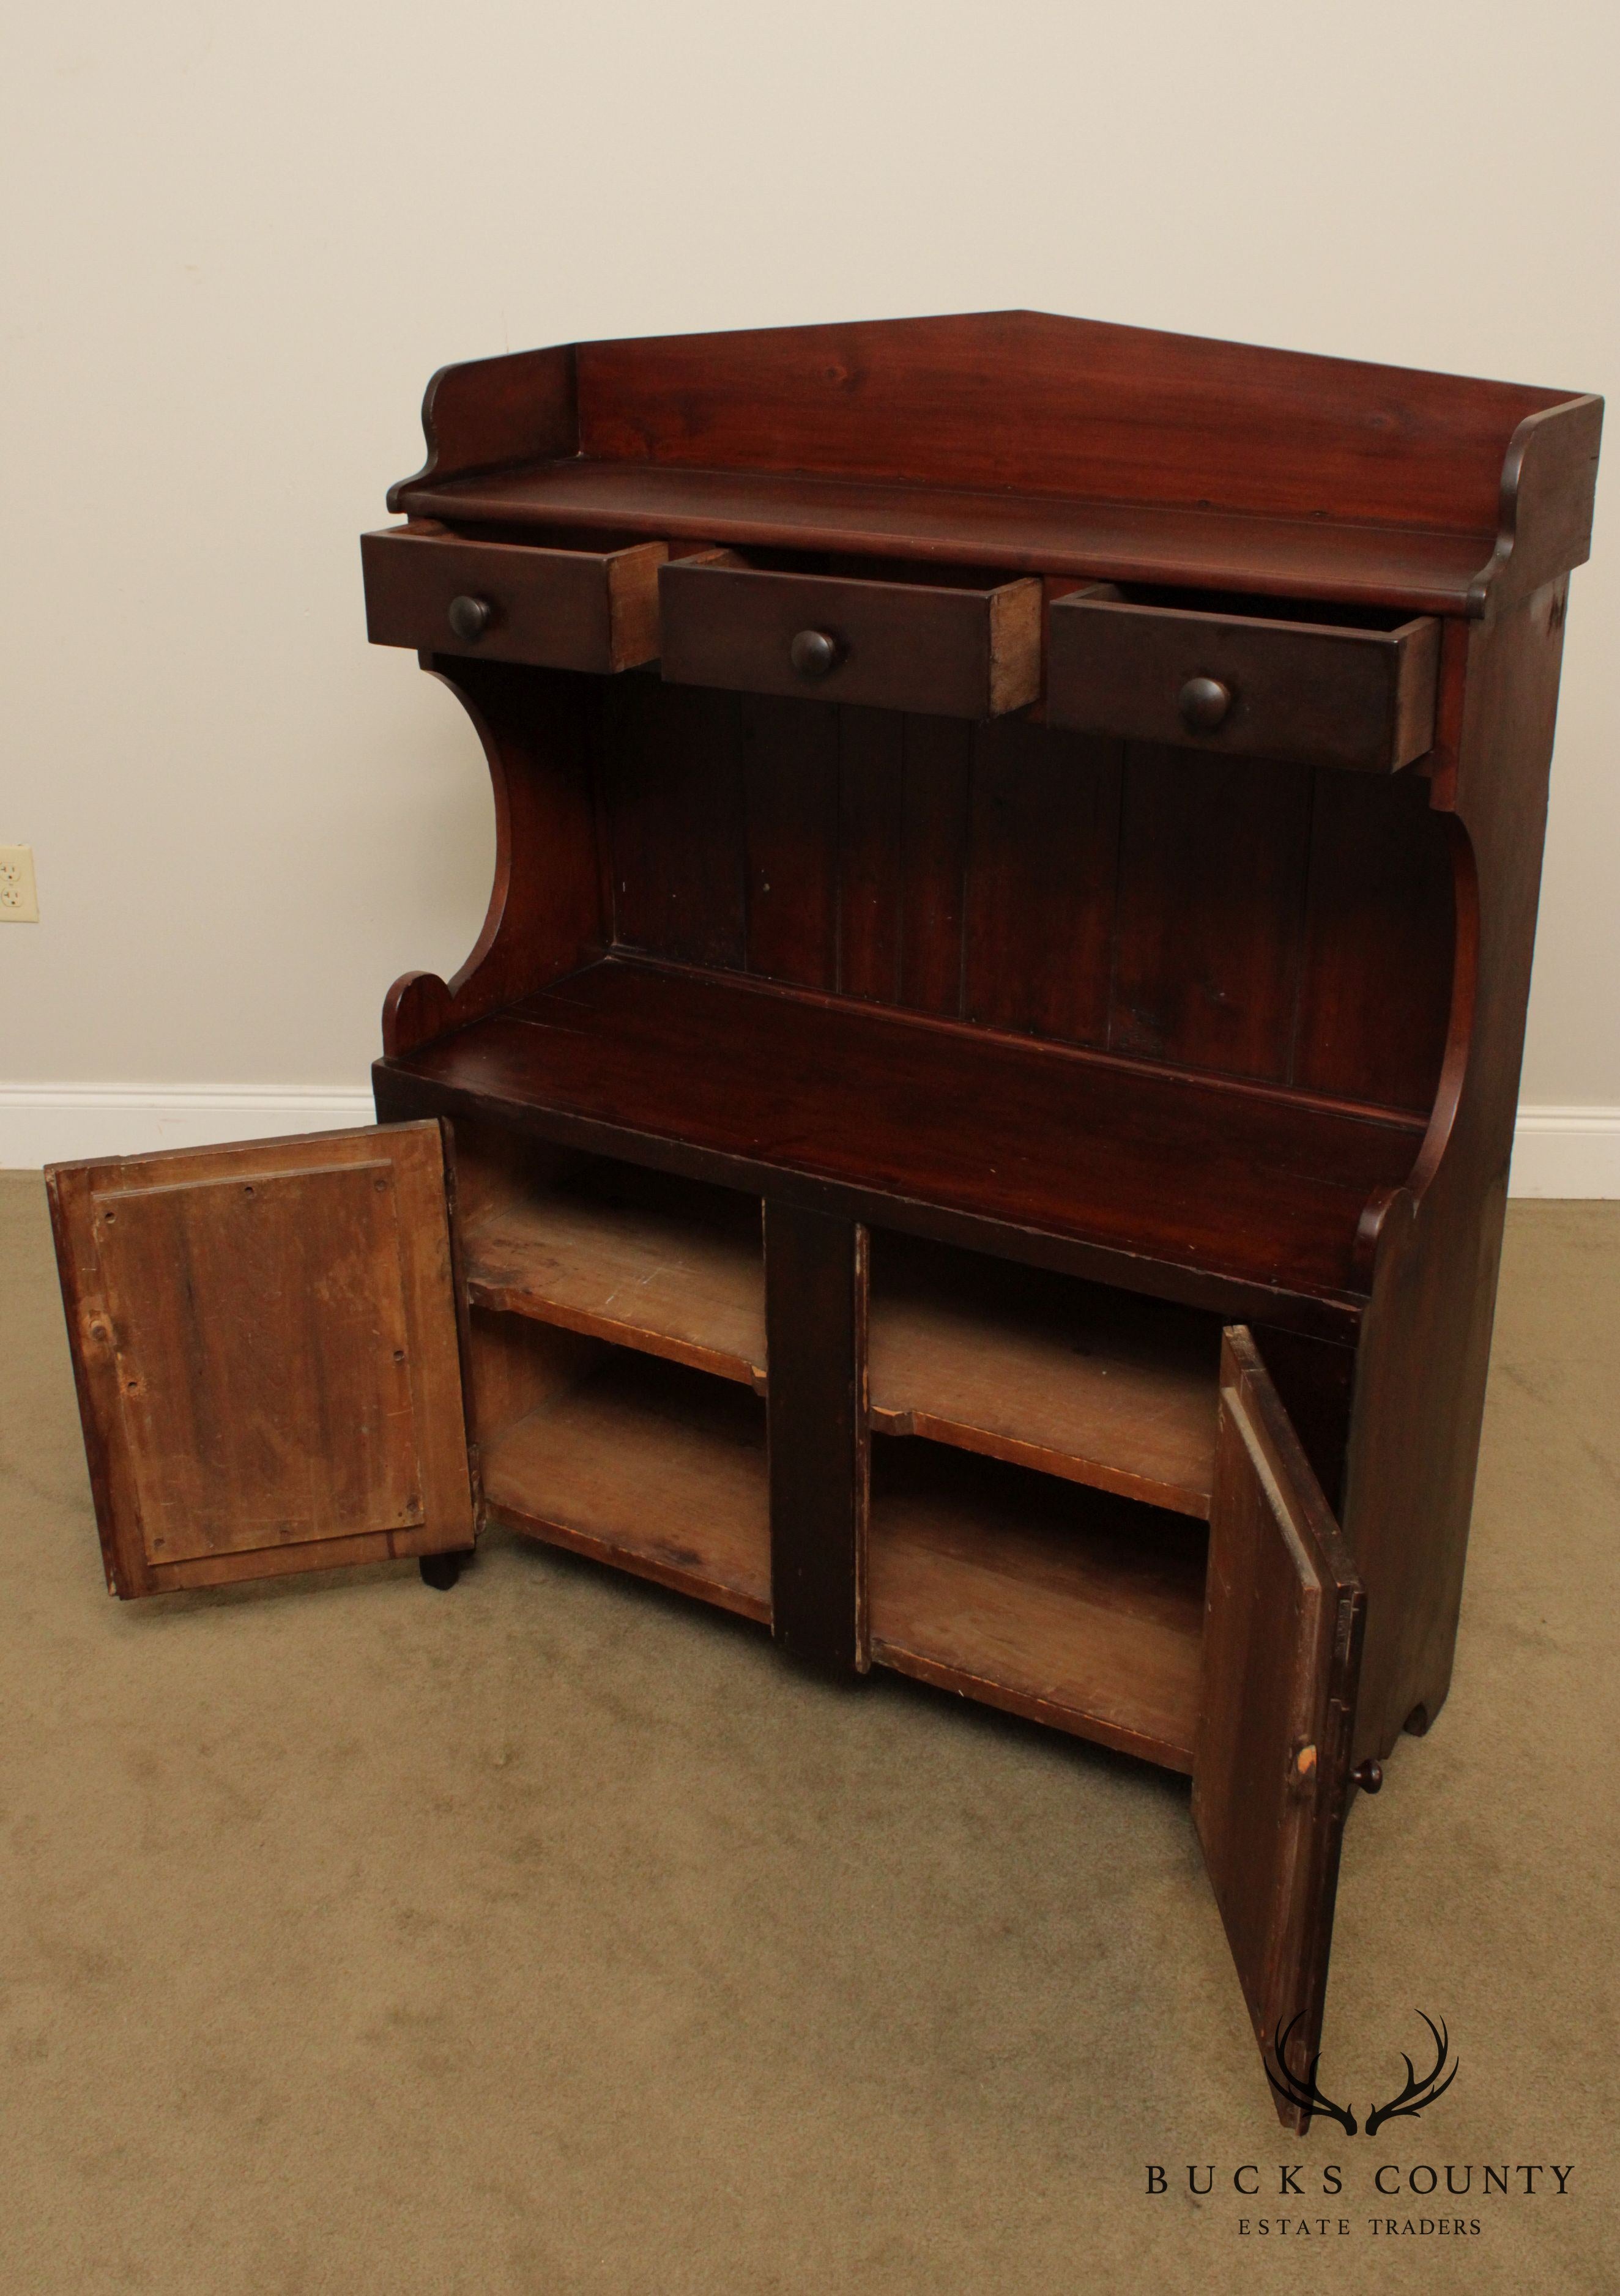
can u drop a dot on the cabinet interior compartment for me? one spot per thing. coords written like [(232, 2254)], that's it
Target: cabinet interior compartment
[(1066, 1604), (1058, 1571), (624, 1456), (667, 1266), (1094, 1385)]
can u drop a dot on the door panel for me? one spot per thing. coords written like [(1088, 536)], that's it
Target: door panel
[(264, 1342), (1283, 1620)]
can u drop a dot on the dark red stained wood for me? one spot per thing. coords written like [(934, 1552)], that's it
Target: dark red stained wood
[(1042, 874), (1033, 402), (1548, 481), (1306, 558), (938, 773), (952, 648), (546, 905), (815, 1340), (789, 752), (871, 820), (673, 781), (1282, 1634), (1436, 1250), (482, 413), (1209, 1175), (1376, 981), (1314, 693), (564, 609), (1211, 886), (1314, 1378), (1045, 443)]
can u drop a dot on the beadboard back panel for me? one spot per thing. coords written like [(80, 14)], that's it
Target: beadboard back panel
[(1224, 916)]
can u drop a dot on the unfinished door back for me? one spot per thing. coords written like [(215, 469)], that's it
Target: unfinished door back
[(264, 1342)]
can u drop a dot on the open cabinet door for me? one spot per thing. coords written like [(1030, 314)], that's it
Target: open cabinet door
[(1282, 1641), (265, 1340)]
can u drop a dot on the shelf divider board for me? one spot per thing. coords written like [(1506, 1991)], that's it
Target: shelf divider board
[(689, 1289), (1097, 1387), (654, 1468), (1080, 1610), (815, 1279)]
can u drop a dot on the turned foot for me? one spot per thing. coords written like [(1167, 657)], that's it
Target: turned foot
[(440, 1570)]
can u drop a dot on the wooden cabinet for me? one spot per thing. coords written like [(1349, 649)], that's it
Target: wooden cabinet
[(974, 1131)]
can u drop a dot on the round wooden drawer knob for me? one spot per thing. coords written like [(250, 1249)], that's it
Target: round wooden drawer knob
[(470, 617), (813, 652), (1203, 703)]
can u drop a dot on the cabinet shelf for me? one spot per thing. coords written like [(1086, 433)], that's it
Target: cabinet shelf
[(1201, 1176), (1094, 1386), (1410, 566), (1069, 1606), (674, 1272), (647, 1465)]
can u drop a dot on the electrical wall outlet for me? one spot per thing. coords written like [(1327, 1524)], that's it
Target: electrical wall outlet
[(19, 896)]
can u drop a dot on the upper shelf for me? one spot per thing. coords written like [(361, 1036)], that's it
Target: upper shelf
[(1408, 567), (1045, 443), (1175, 1183)]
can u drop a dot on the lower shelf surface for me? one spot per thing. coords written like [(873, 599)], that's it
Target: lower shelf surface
[(1067, 1605), (649, 1466)]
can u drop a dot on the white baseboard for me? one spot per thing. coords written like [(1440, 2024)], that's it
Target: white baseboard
[(1557, 1151), (1566, 1151), (57, 1123)]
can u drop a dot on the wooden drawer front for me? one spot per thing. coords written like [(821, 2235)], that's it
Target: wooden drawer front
[(560, 608), (955, 652), (1306, 691)]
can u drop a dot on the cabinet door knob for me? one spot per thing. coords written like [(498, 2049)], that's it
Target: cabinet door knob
[(1204, 703), (813, 652), (470, 617)]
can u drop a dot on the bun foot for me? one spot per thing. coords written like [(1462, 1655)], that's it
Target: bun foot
[(440, 1570)]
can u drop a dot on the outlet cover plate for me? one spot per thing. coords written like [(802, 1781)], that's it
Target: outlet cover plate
[(19, 895)]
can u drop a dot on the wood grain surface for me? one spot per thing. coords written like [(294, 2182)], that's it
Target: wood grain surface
[(264, 1343), (562, 609), (1251, 1186), (1223, 913), (649, 1466), (677, 1271), (1097, 1387), (1065, 1605), (945, 649), (1358, 698)]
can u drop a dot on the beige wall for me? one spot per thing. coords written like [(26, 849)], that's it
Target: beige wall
[(239, 238)]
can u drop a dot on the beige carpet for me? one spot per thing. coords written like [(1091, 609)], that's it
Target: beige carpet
[(553, 1935)]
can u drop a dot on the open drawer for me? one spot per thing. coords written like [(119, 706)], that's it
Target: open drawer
[(1322, 686), (591, 608), (953, 644)]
